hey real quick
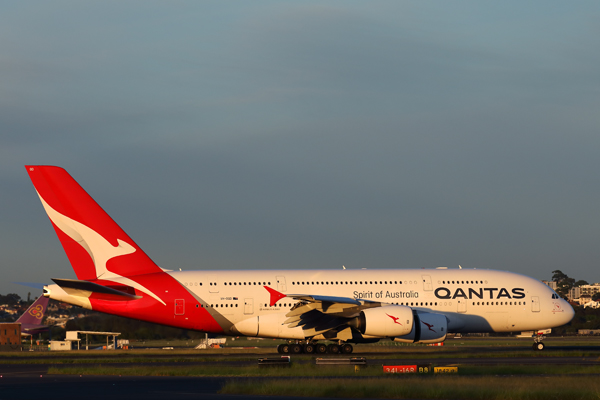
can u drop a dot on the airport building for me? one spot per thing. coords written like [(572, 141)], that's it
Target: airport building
[(10, 337)]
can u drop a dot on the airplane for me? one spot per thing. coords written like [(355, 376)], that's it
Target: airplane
[(31, 319), (304, 307)]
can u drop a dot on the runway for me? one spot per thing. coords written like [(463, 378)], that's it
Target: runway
[(108, 387)]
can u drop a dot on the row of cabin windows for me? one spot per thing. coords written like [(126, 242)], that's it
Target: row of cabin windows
[(333, 283), (223, 305), (417, 304), (304, 283), (228, 283), (414, 304), (215, 305), (353, 283), (245, 283)]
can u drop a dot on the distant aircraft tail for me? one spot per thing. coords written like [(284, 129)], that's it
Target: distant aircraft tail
[(35, 312), (96, 246)]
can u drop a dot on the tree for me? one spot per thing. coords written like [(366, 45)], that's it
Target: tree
[(11, 298), (563, 282)]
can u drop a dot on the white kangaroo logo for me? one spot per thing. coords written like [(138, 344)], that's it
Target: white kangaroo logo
[(99, 249)]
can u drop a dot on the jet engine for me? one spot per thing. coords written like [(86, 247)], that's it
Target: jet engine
[(387, 321), (428, 328)]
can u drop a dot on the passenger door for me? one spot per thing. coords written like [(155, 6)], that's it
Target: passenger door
[(427, 283), (179, 307), (462, 305), (281, 286), (535, 304), (248, 306)]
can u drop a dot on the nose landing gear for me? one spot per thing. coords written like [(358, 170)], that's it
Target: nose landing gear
[(538, 345)]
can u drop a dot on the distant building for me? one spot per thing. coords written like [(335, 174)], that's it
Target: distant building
[(10, 337), (591, 304), (583, 299), (588, 331), (584, 291), (552, 284)]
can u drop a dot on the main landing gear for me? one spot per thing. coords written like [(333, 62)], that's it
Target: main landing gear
[(538, 345), (314, 347)]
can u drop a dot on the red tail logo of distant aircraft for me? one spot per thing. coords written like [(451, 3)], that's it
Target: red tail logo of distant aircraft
[(394, 318), (37, 311), (429, 326)]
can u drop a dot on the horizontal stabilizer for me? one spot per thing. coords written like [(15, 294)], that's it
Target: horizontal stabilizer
[(34, 285), (86, 288)]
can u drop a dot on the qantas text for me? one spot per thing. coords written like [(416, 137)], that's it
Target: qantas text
[(481, 293)]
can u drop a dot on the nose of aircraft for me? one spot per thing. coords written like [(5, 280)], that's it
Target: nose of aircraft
[(568, 313)]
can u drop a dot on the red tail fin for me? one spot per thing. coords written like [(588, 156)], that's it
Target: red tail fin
[(96, 246)]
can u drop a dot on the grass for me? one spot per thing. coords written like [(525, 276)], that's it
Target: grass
[(425, 387)]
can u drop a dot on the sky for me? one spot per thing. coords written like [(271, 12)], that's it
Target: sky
[(308, 134)]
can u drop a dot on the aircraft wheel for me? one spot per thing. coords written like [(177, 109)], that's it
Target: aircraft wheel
[(295, 349), (539, 346), (285, 348), (280, 348), (333, 348), (321, 348), (309, 348), (347, 348)]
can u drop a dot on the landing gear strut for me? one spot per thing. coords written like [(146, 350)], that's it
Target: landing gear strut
[(538, 345)]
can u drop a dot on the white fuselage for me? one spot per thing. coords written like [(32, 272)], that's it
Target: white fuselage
[(472, 300)]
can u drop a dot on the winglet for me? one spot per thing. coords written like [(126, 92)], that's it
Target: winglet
[(275, 295)]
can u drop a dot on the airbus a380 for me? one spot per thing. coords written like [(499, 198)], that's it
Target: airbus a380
[(346, 306)]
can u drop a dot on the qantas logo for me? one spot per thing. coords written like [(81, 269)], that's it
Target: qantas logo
[(99, 249), (430, 326), (37, 311), (481, 293), (394, 318)]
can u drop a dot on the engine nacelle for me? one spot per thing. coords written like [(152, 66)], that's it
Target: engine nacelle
[(387, 321), (428, 328)]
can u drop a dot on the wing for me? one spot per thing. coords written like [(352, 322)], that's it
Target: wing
[(317, 314)]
